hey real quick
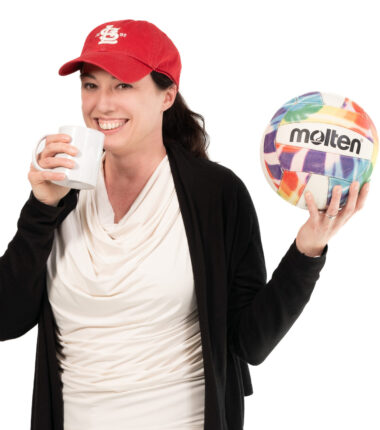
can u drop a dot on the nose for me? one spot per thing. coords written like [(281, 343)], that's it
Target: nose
[(105, 102)]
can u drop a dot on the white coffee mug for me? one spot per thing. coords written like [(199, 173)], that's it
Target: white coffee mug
[(89, 143)]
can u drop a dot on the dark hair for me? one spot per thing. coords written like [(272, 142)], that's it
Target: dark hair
[(180, 125)]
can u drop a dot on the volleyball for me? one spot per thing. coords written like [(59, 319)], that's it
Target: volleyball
[(314, 142)]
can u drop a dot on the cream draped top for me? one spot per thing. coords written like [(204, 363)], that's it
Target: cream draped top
[(124, 302)]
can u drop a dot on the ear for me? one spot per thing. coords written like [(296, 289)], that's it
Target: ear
[(170, 95)]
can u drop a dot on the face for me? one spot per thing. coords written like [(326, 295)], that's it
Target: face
[(128, 113)]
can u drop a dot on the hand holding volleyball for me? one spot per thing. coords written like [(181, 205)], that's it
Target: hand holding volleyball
[(321, 226)]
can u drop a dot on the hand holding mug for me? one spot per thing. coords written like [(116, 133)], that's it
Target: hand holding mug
[(43, 188), (70, 159)]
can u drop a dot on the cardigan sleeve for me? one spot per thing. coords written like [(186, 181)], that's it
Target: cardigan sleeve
[(261, 312), (23, 265)]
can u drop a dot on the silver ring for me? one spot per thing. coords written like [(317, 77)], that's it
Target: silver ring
[(331, 216)]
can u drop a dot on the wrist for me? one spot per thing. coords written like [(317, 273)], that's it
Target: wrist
[(310, 251), (47, 203)]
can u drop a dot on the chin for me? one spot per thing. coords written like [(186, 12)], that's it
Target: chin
[(114, 145)]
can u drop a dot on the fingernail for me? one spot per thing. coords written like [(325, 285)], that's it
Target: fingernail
[(307, 195)]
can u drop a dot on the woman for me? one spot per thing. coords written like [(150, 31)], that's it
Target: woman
[(156, 295)]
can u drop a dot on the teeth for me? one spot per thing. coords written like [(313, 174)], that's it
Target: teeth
[(109, 125)]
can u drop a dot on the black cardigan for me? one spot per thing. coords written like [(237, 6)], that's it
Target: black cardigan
[(242, 318)]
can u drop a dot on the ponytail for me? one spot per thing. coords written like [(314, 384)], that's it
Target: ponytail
[(180, 125)]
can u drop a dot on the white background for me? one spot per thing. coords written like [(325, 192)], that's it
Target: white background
[(241, 62)]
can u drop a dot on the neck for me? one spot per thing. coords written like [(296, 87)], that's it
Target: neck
[(121, 171)]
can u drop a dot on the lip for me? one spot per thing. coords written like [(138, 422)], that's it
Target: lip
[(111, 119), (112, 131)]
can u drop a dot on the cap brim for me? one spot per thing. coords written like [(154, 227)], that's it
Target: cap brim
[(122, 67)]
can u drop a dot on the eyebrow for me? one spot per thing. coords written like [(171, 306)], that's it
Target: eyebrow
[(88, 75)]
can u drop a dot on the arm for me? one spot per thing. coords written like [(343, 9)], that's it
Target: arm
[(23, 265), (261, 313)]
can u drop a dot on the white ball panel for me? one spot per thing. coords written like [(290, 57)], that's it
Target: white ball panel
[(318, 185), (333, 99)]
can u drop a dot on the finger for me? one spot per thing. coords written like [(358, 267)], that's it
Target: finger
[(58, 148), (350, 205), (311, 206), (332, 211), (60, 137), (362, 196), (52, 162), (52, 176), (38, 177)]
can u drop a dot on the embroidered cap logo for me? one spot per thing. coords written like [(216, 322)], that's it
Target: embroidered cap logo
[(109, 35)]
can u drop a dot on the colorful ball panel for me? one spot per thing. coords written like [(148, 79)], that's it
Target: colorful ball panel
[(314, 142)]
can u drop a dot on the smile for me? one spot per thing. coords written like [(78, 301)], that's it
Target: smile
[(111, 124)]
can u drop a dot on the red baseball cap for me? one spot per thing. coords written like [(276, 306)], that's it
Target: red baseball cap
[(128, 50)]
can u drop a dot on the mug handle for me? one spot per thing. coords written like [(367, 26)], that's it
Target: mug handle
[(34, 158)]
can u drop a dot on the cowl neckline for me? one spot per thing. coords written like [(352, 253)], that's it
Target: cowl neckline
[(90, 246), (103, 205)]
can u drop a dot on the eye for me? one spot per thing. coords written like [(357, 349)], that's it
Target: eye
[(125, 85), (86, 85)]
